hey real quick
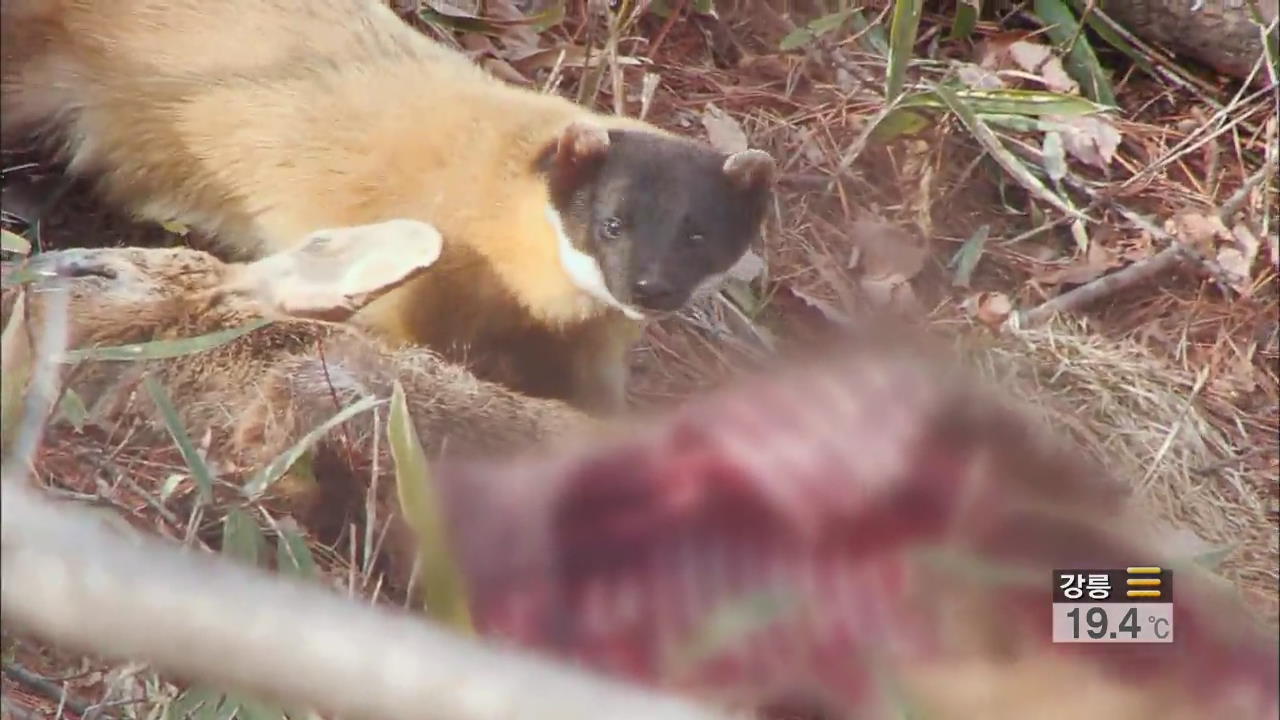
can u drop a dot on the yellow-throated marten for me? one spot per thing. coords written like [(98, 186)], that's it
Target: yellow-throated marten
[(259, 121)]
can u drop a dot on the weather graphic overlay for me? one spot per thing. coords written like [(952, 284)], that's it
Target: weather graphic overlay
[(1126, 605)]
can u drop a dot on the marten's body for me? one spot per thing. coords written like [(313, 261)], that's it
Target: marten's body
[(259, 121)]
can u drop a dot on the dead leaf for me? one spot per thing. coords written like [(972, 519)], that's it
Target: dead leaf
[(503, 69), (1237, 258), (575, 56), (1235, 377), (1201, 232), (1055, 162), (518, 37), (989, 308), (648, 90), (893, 294), (775, 68), (749, 267), (1091, 139), (1235, 251), (478, 46), (1096, 261), (1234, 262), (455, 7), (1016, 50), (978, 77), (175, 228), (832, 314), (810, 148), (1246, 241), (723, 131), (886, 252)]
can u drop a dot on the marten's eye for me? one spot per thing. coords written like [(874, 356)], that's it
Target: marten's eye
[(612, 228)]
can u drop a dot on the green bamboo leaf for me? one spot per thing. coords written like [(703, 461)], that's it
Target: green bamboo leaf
[(20, 276), (1106, 28), (453, 19), (1009, 102), (829, 22), (227, 711), (730, 623), (241, 537), (170, 484), (1055, 156), (15, 367), (162, 349), (445, 596), (446, 16), (965, 19), (660, 8), (966, 259), (814, 29), (195, 699), (902, 38), (266, 477), (548, 18), (872, 37), (247, 709), (1006, 159), (897, 122), (976, 568), (1270, 41), (72, 409), (293, 557), (1016, 123), (1080, 62), (859, 143), (1211, 559), (589, 87), (797, 38), (1080, 234), (196, 464), (14, 243)]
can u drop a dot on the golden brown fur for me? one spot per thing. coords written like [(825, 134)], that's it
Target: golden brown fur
[(259, 121)]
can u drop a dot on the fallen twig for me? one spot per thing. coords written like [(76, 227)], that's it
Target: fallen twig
[(45, 687), (68, 579), (1102, 287), (1237, 200), (1144, 270)]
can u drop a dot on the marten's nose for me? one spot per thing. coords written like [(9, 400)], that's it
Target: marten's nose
[(655, 294)]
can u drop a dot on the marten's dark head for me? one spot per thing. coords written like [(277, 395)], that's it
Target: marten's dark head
[(647, 218)]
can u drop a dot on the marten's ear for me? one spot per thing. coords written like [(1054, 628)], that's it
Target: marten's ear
[(579, 150), (334, 273), (751, 170), (582, 142)]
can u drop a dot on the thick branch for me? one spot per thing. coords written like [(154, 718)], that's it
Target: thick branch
[(66, 577)]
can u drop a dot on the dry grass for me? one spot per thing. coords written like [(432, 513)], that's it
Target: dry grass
[(1193, 458)]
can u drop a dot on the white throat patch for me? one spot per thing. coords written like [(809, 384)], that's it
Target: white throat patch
[(583, 270)]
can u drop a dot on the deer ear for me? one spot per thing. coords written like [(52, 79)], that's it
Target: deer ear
[(334, 273), (751, 170)]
